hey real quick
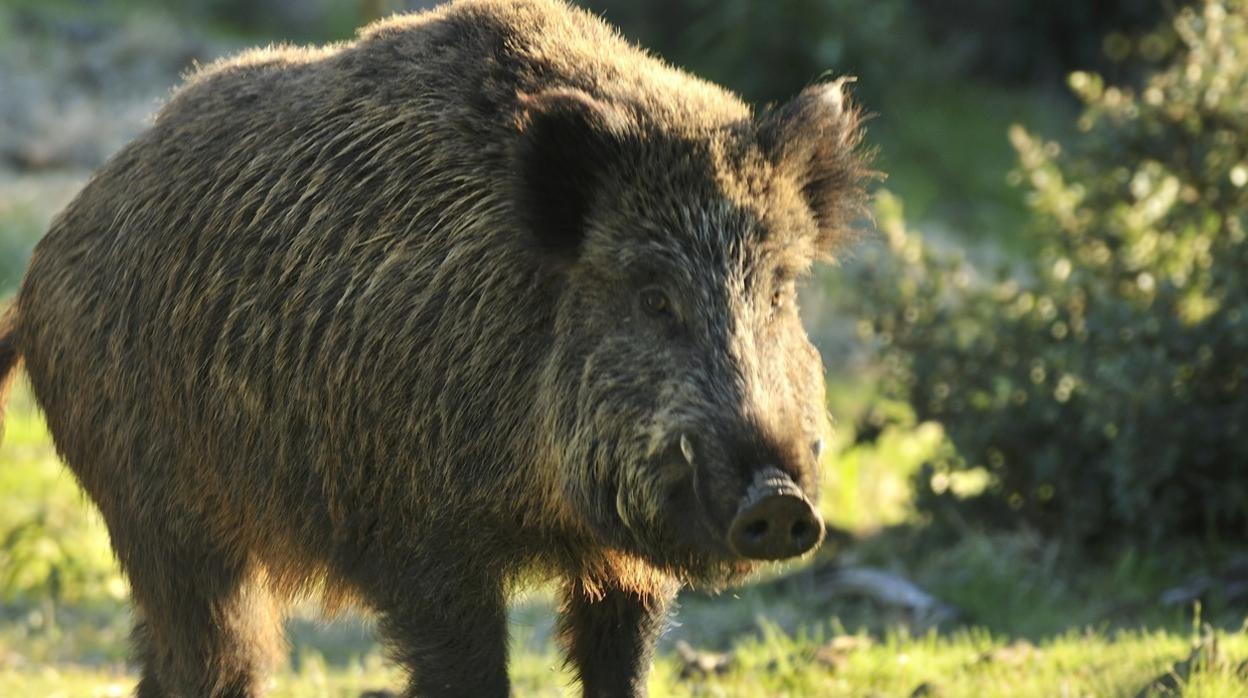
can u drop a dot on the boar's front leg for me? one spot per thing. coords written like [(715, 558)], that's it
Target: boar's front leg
[(609, 636), (450, 634)]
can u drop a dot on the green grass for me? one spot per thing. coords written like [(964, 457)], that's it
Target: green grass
[(967, 663)]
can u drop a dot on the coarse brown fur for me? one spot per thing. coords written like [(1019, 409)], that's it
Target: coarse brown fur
[(363, 321)]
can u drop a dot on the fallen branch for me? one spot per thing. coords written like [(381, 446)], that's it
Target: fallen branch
[(889, 589)]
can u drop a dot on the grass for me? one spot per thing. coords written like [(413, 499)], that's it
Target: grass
[(966, 663)]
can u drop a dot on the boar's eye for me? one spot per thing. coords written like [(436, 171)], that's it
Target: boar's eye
[(780, 294), (655, 302)]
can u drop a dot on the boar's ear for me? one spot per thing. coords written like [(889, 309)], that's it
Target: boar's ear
[(567, 141), (815, 139)]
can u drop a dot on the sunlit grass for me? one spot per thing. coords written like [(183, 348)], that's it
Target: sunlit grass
[(967, 663)]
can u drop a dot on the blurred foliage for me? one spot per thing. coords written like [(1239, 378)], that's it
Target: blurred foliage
[(1101, 385), (20, 227), (53, 545), (769, 51), (869, 469), (1038, 40)]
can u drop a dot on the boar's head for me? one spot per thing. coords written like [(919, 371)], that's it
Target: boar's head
[(685, 402)]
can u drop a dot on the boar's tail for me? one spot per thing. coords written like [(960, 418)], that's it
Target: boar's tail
[(10, 357)]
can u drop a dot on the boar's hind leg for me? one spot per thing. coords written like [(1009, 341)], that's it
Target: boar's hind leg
[(204, 626), (450, 634), (609, 636)]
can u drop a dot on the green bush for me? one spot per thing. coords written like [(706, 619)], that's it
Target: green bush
[(1101, 385)]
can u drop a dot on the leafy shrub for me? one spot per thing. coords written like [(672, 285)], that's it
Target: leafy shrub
[(53, 544), (1101, 384)]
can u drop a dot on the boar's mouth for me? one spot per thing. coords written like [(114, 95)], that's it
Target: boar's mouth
[(691, 523), (682, 535), (693, 547)]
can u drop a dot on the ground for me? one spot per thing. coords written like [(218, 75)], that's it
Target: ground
[(967, 663)]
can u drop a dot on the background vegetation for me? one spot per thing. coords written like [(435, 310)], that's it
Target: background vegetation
[(1039, 362), (1098, 385)]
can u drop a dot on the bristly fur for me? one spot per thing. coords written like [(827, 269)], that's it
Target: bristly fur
[(364, 321)]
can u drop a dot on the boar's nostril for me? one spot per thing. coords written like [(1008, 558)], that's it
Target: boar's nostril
[(756, 529), (799, 529)]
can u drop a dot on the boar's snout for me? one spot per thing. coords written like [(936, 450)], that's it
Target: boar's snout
[(775, 520)]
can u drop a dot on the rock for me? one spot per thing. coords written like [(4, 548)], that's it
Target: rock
[(699, 664)]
